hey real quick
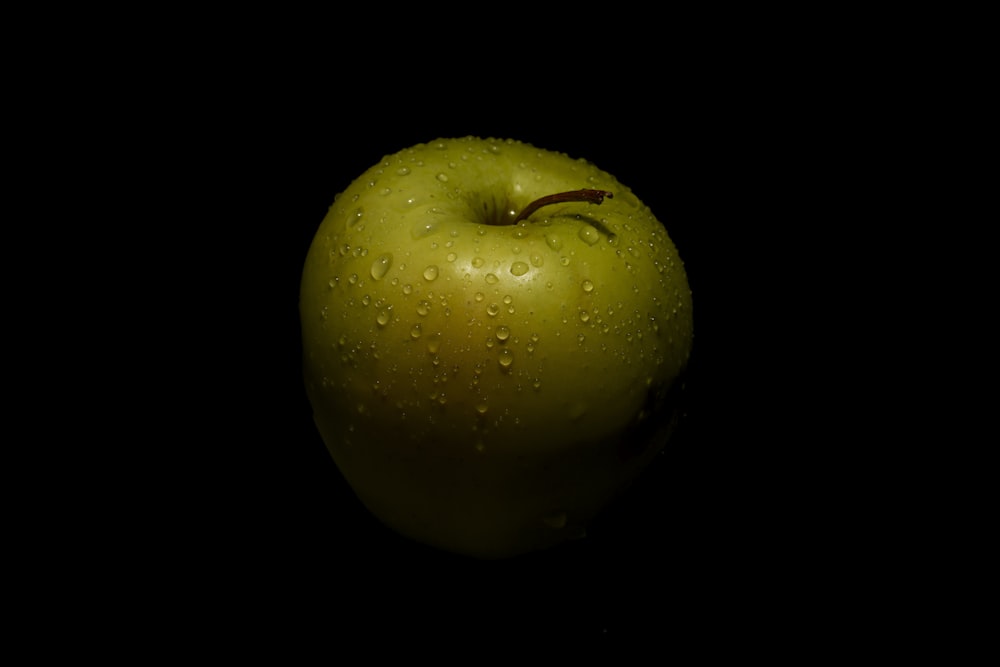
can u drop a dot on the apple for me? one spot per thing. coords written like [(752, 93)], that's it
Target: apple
[(494, 336)]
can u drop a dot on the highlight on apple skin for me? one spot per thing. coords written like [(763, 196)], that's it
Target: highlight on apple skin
[(488, 382)]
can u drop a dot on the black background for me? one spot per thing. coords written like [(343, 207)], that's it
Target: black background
[(732, 530)]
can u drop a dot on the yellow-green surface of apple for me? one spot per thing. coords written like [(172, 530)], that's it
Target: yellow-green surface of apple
[(489, 364)]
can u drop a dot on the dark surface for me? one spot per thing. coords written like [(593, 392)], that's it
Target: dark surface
[(729, 531)]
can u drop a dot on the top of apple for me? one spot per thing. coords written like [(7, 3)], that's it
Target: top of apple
[(476, 287)]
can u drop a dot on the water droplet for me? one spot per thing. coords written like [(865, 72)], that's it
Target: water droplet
[(502, 333), (492, 279), (353, 279), (519, 268), (492, 310), (443, 177), (355, 217), (381, 265), (556, 520), (537, 260), (403, 171), (506, 358), (482, 408), (434, 343), (430, 273), (478, 262), (423, 229), (451, 257), (382, 318), (584, 316), (423, 308), (415, 331), (587, 286), (564, 260), (553, 241), (385, 191), (479, 297), (589, 235), (407, 289)]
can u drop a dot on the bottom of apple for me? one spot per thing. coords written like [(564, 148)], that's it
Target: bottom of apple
[(492, 506)]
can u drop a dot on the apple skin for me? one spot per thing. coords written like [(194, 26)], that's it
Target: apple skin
[(488, 388)]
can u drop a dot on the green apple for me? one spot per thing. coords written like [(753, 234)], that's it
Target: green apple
[(493, 337)]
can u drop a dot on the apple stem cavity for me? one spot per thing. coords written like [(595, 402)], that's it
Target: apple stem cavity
[(585, 195)]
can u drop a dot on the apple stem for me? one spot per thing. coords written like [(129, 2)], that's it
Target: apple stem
[(587, 195)]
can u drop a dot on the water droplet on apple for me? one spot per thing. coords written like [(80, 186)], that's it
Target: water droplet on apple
[(423, 308), (584, 316), (443, 177), (587, 286), (382, 318), (537, 260), (553, 241), (492, 310), (479, 297), (555, 520), (430, 273), (451, 257), (492, 279), (482, 408), (478, 262), (352, 279), (506, 358), (415, 331), (385, 192), (589, 235), (355, 217), (403, 171), (381, 266), (423, 229), (502, 333), (519, 268), (434, 343)]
